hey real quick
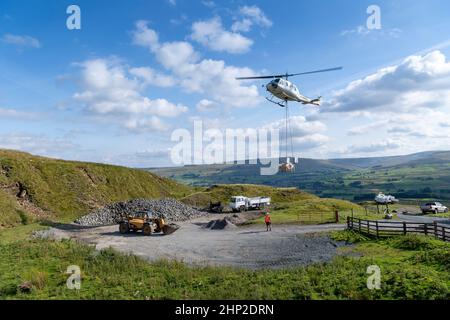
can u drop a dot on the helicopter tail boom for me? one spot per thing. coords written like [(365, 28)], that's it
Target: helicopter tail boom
[(315, 102)]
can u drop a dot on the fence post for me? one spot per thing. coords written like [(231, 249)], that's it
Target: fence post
[(348, 222), (368, 227), (435, 229), (359, 225), (336, 216), (378, 233), (404, 228), (443, 233), (425, 227)]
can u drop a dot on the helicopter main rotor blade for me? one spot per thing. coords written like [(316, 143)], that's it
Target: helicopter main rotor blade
[(263, 77), (289, 75), (316, 71)]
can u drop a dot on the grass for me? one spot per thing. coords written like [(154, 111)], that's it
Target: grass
[(106, 274), (318, 211), (223, 193), (19, 233), (10, 212), (349, 236)]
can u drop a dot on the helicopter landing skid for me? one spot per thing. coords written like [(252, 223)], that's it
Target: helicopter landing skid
[(281, 104)]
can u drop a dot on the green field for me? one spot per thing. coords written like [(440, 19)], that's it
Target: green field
[(412, 267)]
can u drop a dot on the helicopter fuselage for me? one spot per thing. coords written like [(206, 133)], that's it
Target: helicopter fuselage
[(287, 91)]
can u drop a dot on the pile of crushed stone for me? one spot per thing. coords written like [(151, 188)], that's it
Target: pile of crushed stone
[(170, 209), (220, 224)]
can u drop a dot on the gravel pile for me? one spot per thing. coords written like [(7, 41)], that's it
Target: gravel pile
[(171, 209), (221, 224)]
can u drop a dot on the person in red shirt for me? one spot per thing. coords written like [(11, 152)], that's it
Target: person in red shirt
[(268, 222)]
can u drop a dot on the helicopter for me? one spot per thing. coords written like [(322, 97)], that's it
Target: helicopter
[(283, 89)]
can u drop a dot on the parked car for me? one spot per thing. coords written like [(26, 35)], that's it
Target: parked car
[(434, 207)]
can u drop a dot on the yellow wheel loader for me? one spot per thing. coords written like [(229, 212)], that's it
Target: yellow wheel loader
[(145, 222)]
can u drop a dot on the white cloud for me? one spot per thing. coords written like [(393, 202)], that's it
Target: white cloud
[(251, 15), (207, 76), (419, 82), (112, 89), (206, 105), (173, 55), (305, 134), (37, 144), (151, 124), (21, 41), (380, 146), (364, 31), (212, 35), (391, 132), (141, 159), (151, 77), (309, 142), (209, 3), (107, 89), (13, 113), (143, 36)]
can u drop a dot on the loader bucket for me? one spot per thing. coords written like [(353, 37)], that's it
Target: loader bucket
[(170, 228)]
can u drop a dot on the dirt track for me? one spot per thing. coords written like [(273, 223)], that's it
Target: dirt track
[(249, 247)]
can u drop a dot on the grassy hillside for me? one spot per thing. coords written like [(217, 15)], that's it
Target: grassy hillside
[(418, 176), (412, 267), (37, 187), (289, 205), (223, 193)]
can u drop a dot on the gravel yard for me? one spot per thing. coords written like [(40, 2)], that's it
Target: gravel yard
[(196, 244)]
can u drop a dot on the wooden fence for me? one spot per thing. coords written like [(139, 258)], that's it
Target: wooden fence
[(393, 228), (318, 217)]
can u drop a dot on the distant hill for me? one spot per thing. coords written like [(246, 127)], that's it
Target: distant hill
[(38, 187), (423, 175)]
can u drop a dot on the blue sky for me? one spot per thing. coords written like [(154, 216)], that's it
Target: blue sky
[(115, 90)]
